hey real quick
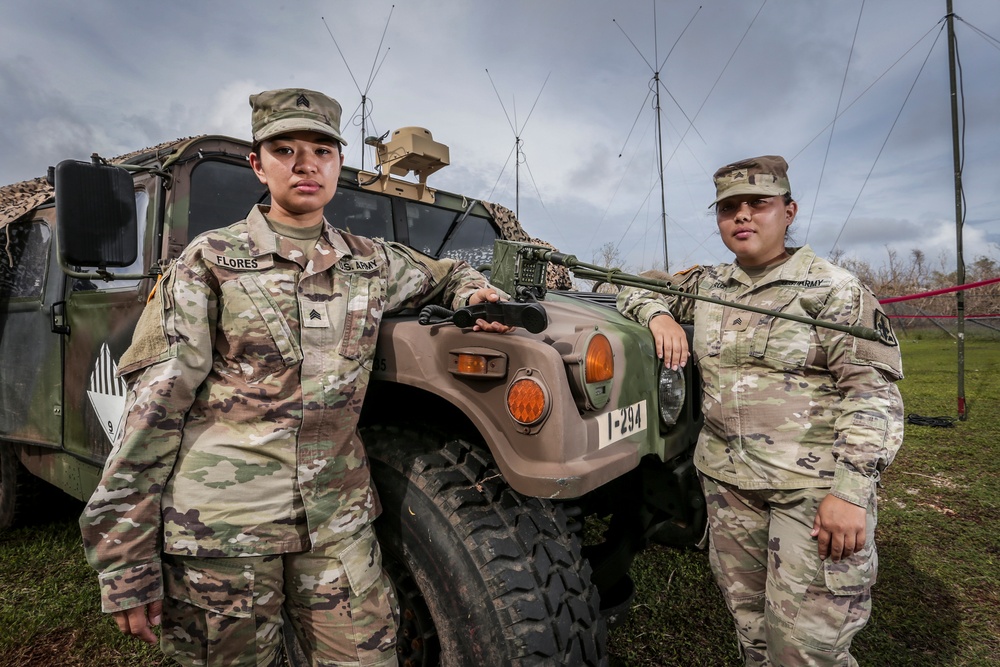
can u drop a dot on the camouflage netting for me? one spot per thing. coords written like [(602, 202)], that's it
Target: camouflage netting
[(21, 198), (558, 277)]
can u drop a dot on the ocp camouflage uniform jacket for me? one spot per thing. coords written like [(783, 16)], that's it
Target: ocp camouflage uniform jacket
[(788, 405), (247, 373)]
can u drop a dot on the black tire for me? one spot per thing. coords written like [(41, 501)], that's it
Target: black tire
[(18, 489), (484, 576)]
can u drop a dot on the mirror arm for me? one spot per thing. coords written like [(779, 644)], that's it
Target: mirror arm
[(99, 274)]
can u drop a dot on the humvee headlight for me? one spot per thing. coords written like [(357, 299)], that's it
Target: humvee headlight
[(599, 370), (600, 361), (590, 366), (671, 393), (527, 401)]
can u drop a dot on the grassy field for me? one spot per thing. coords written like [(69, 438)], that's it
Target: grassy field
[(936, 601), (938, 590)]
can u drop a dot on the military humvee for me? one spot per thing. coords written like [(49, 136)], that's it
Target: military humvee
[(520, 474)]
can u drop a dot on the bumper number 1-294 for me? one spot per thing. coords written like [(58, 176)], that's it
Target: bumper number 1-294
[(621, 423)]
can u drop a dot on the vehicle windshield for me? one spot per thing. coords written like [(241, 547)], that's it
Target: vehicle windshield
[(223, 192), (471, 240)]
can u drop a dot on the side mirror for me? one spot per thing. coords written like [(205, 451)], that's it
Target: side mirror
[(96, 221)]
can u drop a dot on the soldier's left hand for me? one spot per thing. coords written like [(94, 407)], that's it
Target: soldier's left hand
[(839, 527), (487, 294)]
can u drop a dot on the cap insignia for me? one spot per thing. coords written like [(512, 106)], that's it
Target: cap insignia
[(302, 101)]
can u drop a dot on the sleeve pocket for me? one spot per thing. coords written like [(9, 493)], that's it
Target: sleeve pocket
[(149, 340)]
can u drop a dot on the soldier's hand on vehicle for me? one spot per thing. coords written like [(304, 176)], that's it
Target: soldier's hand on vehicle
[(670, 340), (138, 621), (839, 528), (482, 295)]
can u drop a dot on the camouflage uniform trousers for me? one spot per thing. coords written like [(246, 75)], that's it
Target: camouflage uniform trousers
[(226, 612), (790, 608)]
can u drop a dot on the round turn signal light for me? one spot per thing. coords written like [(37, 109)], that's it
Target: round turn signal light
[(527, 401)]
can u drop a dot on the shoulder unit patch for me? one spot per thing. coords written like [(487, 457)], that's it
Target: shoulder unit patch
[(884, 329)]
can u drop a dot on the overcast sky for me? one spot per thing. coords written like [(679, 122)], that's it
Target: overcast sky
[(739, 78)]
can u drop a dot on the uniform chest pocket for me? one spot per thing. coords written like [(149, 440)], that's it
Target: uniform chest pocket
[(778, 342), (364, 306), (708, 320), (258, 338)]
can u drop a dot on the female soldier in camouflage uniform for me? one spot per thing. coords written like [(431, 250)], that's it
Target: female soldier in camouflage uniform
[(239, 484), (800, 421)]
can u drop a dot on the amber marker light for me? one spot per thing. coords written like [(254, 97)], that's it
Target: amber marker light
[(472, 364), (600, 361), (477, 363), (527, 401)]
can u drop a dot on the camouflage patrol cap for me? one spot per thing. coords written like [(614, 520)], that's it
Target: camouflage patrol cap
[(293, 109), (765, 175)]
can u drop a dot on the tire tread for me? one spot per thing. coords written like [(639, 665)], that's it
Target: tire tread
[(528, 559)]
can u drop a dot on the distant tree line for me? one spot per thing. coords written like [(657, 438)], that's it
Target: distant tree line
[(915, 275), (897, 276)]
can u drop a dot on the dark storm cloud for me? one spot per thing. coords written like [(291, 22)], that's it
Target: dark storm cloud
[(111, 76), (38, 123)]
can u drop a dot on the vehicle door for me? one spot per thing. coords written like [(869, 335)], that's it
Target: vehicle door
[(31, 288)]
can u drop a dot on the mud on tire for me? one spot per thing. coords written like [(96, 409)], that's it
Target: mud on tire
[(485, 576)]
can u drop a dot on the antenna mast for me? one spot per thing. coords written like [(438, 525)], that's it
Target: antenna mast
[(959, 213), (657, 83), (517, 137), (659, 141), (376, 67)]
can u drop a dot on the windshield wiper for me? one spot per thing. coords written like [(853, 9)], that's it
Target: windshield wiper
[(455, 224)]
